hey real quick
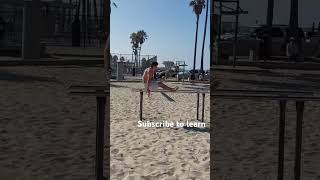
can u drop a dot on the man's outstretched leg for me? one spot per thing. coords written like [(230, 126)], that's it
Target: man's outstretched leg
[(165, 87)]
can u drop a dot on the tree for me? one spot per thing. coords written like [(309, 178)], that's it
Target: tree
[(142, 36), (135, 45), (137, 39), (114, 59), (197, 6), (204, 36), (122, 59)]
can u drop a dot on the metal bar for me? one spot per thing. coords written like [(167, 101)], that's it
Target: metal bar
[(261, 97), (281, 138), (197, 106), (141, 104), (297, 166), (203, 98), (101, 104)]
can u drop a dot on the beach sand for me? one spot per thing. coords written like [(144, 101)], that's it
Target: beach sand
[(245, 143), (47, 134)]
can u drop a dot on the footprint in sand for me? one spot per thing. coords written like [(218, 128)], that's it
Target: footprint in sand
[(115, 151)]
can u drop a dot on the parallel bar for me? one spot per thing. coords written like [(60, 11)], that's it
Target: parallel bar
[(197, 106), (101, 104), (261, 91), (203, 98), (297, 166), (270, 97), (281, 138), (141, 104), (179, 91)]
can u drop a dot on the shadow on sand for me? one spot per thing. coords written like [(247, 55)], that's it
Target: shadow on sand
[(197, 129), (8, 76)]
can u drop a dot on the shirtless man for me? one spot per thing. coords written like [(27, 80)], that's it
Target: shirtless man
[(150, 82)]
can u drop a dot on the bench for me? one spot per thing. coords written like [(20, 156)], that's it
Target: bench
[(198, 92)]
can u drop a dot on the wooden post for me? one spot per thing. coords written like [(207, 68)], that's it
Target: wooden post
[(297, 166), (281, 138), (203, 98), (101, 103), (197, 106), (141, 104)]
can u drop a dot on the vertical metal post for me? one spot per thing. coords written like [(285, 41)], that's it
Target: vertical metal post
[(197, 106), (281, 138), (297, 166), (203, 98), (141, 104), (101, 103)]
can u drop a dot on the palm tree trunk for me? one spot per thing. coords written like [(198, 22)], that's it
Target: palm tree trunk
[(195, 50), (84, 22), (269, 26), (139, 57), (106, 30), (69, 13), (78, 10), (294, 17), (88, 20), (204, 36), (294, 24), (95, 11), (212, 34)]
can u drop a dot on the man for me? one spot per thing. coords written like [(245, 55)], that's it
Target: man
[(292, 49), (150, 81)]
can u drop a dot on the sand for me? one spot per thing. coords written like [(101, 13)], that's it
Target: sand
[(47, 134), (245, 143)]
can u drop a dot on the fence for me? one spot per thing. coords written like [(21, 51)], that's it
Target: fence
[(58, 25)]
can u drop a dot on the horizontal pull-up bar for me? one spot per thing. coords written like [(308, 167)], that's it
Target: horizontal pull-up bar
[(178, 91), (98, 91)]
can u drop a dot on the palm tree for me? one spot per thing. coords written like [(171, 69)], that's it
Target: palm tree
[(135, 45), (142, 36), (197, 6), (204, 36), (137, 39)]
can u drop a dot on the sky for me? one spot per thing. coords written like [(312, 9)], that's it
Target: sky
[(170, 25)]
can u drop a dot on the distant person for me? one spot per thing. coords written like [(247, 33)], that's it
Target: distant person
[(292, 49), (150, 81)]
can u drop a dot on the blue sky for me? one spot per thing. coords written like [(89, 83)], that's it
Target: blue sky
[(170, 24)]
